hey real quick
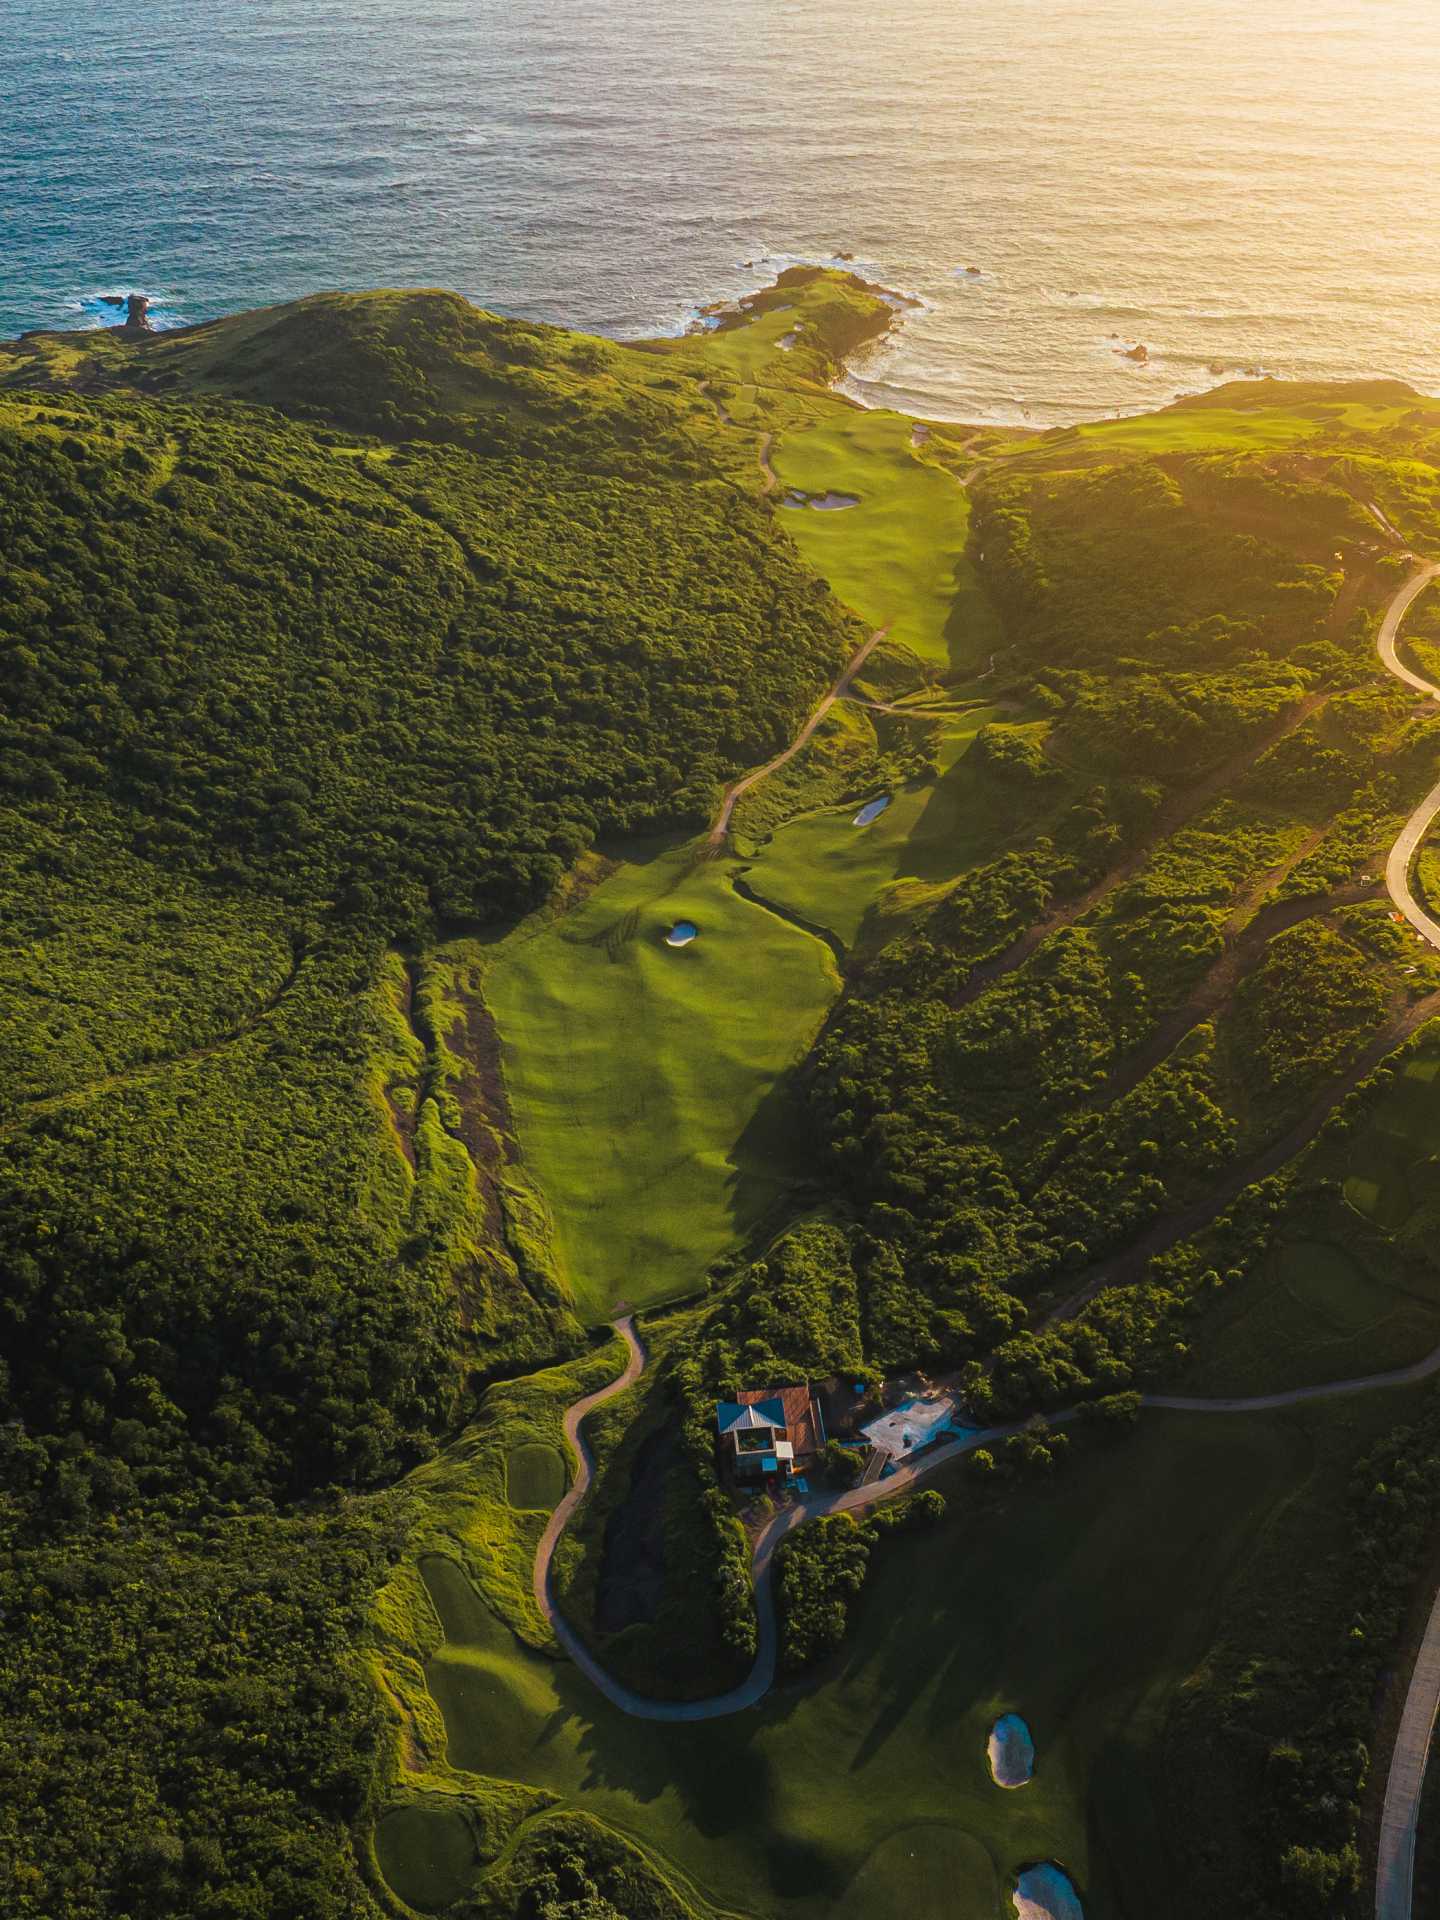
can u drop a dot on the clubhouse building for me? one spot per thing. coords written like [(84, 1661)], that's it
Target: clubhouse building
[(769, 1434)]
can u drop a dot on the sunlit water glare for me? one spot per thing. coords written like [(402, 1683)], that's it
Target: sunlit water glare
[(1245, 183)]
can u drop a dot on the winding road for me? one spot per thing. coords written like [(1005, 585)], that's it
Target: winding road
[(1400, 1814), (1395, 1871)]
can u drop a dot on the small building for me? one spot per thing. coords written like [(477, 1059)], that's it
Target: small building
[(769, 1433)]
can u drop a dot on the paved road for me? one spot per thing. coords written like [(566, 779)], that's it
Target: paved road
[(1390, 630), (1400, 1815), (837, 692), (1402, 854), (760, 1677), (1395, 1867)]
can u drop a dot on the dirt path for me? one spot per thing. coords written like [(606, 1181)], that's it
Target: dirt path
[(769, 479), (1130, 1265), (1171, 1228), (802, 739), (1402, 854), (146, 1070), (1243, 949), (1175, 813)]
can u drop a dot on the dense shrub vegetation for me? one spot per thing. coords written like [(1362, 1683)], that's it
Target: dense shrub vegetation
[(1288, 1700), (412, 683), (821, 1568), (273, 699), (186, 1731), (1002, 1144)]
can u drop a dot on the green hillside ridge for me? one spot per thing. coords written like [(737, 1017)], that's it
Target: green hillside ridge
[(373, 667)]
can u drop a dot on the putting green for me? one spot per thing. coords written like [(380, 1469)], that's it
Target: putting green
[(426, 1853), (1333, 1286), (831, 872), (535, 1478), (874, 1775), (1377, 1185), (644, 1078), (926, 1873), (1387, 1173), (899, 557)]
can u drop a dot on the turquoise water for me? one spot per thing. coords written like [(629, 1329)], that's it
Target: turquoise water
[(1245, 182)]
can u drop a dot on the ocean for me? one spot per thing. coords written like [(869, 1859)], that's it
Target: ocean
[(1234, 184)]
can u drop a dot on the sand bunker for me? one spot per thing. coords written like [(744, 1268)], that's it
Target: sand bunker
[(1046, 1892), (872, 810), (1012, 1752), (821, 502), (792, 339), (682, 933)]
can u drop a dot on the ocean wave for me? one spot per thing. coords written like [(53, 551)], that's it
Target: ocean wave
[(91, 311)]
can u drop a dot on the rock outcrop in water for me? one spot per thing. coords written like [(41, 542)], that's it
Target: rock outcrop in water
[(1139, 353), (137, 314)]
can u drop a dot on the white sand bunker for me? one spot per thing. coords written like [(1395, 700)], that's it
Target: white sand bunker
[(682, 933), (821, 502), (872, 810), (1012, 1752), (1046, 1892)]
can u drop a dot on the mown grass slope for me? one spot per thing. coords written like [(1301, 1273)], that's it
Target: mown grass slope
[(646, 1078), (835, 874)]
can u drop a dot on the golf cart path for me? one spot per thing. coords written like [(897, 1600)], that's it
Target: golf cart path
[(761, 1677), (802, 739), (1400, 1814)]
